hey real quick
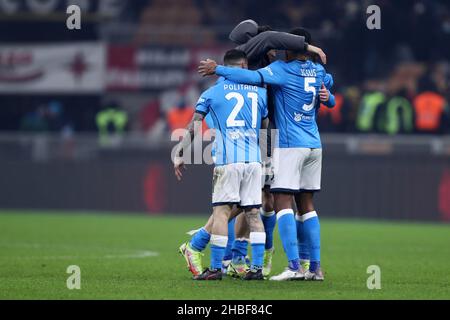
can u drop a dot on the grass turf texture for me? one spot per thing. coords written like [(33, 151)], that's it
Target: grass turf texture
[(113, 254)]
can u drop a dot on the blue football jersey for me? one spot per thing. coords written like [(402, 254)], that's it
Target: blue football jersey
[(236, 111), (295, 87), (209, 121)]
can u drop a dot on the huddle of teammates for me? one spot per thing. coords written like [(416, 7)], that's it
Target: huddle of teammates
[(255, 92)]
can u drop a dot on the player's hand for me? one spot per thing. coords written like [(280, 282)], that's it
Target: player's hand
[(319, 52), (324, 94), (207, 67), (178, 165)]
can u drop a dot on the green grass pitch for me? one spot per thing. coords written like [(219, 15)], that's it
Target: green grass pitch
[(135, 257)]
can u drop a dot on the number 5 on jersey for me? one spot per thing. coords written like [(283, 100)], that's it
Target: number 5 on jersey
[(309, 81)]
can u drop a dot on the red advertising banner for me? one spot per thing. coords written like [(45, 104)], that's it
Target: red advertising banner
[(52, 68), (154, 68)]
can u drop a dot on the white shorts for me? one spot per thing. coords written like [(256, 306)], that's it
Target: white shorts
[(296, 170), (267, 173), (237, 183)]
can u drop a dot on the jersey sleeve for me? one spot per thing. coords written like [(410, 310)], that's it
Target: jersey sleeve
[(328, 81), (259, 45), (271, 74), (331, 101), (203, 103)]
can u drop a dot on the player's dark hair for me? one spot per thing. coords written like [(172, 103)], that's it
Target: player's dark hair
[(234, 56), (308, 39), (265, 28), (302, 32)]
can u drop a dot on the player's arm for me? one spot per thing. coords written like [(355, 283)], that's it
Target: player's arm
[(258, 46), (178, 162), (328, 81), (259, 77), (262, 43), (326, 97), (201, 110)]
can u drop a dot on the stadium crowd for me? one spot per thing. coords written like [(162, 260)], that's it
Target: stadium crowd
[(393, 80)]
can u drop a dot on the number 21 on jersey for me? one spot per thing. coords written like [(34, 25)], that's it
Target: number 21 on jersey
[(231, 121)]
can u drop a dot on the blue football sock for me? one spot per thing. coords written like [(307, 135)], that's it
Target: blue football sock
[(269, 220), (239, 250), (228, 252), (294, 265), (288, 233), (218, 244), (258, 240), (200, 240), (303, 247), (314, 266), (311, 227)]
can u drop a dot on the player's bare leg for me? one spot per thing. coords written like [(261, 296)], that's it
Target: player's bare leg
[(209, 223), (257, 240), (242, 229), (238, 266), (235, 211), (219, 239), (310, 227), (192, 250), (269, 220), (267, 200), (231, 237)]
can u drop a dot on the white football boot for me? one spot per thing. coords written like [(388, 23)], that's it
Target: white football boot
[(289, 275), (314, 276)]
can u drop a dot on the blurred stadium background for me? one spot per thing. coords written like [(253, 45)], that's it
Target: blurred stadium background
[(85, 123), (86, 115)]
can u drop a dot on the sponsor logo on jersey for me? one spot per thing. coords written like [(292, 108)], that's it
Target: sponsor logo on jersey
[(301, 116)]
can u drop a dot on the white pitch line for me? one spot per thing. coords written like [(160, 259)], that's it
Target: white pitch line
[(129, 253), (136, 255)]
